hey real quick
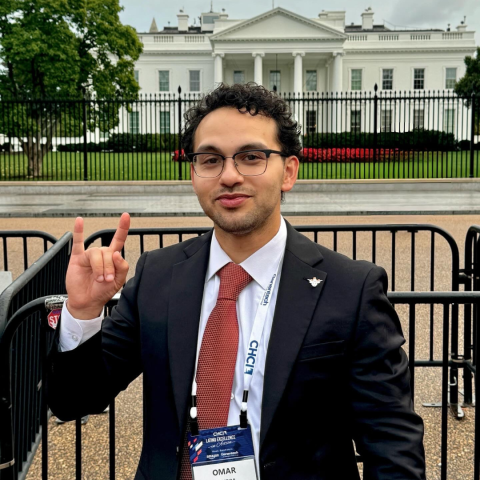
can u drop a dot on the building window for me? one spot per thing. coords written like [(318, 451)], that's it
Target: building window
[(134, 122), (136, 74), (418, 119), (419, 79), (386, 120), (449, 120), (311, 121), (356, 121), (164, 81), (275, 80), (356, 81), (450, 77), (165, 122), (387, 79), (239, 76), (194, 80), (311, 83)]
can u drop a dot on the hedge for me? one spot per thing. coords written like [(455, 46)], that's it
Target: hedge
[(78, 147), (128, 142), (430, 140), (145, 142), (414, 140)]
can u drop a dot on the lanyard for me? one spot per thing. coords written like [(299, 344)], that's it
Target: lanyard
[(251, 356)]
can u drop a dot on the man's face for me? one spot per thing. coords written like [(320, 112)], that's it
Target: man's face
[(241, 204)]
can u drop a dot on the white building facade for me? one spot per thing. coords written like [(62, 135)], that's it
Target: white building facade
[(291, 53)]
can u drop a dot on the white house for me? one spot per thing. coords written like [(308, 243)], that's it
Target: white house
[(297, 54), (310, 57)]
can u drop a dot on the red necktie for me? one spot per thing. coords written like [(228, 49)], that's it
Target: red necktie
[(218, 356)]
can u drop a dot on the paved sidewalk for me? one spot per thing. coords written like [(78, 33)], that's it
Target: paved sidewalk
[(308, 198)]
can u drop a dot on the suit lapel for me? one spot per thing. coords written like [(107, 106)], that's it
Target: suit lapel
[(296, 302), (185, 303)]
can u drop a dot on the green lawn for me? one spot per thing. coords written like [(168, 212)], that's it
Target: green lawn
[(418, 165), (101, 166), (159, 166)]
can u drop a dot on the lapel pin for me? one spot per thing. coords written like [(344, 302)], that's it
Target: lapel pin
[(314, 281)]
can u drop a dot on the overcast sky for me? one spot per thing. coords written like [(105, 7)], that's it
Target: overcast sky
[(402, 13)]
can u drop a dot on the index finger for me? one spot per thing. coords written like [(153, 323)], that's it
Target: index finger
[(118, 240), (78, 247)]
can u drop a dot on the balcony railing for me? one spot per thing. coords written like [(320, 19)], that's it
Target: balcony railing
[(149, 39), (411, 37)]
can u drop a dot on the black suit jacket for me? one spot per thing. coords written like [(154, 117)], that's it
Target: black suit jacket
[(335, 370)]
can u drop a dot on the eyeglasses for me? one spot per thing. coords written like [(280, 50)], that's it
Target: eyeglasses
[(248, 163)]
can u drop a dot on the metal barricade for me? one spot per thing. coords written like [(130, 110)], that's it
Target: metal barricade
[(470, 275), (357, 241), (345, 238), (449, 301), (45, 277), (36, 313), (25, 236)]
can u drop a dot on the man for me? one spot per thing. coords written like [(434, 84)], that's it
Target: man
[(328, 364)]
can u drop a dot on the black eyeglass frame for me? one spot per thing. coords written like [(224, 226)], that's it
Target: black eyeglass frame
[(267, 152)]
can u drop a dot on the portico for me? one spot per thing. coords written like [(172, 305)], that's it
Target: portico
[(290, 72), (280, 49)]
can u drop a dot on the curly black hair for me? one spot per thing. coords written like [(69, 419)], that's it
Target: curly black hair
[(251, 98)]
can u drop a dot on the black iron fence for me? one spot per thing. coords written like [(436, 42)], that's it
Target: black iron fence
[(25, 356), (351, 135), (34, 315)]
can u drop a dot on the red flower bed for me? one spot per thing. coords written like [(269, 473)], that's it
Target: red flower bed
[(346, 154), (176, 156)]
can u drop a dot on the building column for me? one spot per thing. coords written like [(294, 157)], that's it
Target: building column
[(337, 80), (258, 76), (218, 70), (298, 72), (337, 88)]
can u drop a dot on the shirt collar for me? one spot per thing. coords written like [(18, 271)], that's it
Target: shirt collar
[(258, 265)]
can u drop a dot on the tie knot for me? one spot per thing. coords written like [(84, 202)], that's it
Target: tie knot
[(233, 279)]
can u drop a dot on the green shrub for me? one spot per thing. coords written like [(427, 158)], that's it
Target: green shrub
[(413, 140), (79, 147), (142, 142)]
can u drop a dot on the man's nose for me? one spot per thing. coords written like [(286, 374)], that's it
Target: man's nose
[(230, 175)]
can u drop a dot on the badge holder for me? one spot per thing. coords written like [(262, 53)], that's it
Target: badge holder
[(223, 453), (227, 453)]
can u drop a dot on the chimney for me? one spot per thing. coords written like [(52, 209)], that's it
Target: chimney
[(367, 19), (153, 27), (323, 15), (182, 21), (462, 27), (223, 16)]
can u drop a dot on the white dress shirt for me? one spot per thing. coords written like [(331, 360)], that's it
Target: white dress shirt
[(261, 266)]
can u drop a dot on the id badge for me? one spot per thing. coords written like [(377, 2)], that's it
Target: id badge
[(224, 453)]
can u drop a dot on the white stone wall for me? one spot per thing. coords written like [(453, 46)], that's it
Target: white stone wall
[(178, 65), (403, 65)]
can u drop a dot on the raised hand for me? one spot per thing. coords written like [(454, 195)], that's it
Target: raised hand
[(95, 275)]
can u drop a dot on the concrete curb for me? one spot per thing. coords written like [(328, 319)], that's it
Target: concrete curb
[(178, 187), (323, 213)]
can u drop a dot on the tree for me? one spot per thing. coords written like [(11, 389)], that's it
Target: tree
[(62, 49), (470, 84)]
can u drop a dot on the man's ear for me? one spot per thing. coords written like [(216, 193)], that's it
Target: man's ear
[(290, 173)]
